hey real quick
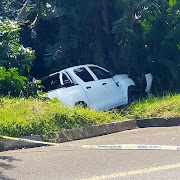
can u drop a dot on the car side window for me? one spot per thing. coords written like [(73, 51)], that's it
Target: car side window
[(100, 73), (51, 82), (83, 74), (66, 81), (54, 82)]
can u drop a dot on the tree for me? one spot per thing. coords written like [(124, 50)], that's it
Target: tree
[(162, 37), (15, 62), (121, 35), (13, 54)]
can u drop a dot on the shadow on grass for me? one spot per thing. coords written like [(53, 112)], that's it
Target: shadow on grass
[(5, 163)]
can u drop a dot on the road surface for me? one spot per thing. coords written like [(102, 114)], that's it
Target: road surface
[(74, 163)]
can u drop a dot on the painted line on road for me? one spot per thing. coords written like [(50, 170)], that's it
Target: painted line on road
[(29, 141), (134, 172), (119, 146)]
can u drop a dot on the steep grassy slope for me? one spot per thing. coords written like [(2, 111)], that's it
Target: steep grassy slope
[(19, 117)]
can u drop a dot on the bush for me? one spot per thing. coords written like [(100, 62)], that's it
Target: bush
[(15, 62), (12, 53), (11, 83)]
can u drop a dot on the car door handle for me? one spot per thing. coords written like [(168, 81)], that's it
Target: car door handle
[(104, 84), (88, 87)]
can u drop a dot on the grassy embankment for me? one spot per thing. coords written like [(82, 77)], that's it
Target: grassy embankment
[(20, 117)]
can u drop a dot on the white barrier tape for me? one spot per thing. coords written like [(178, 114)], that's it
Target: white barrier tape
[(120, 146), (133, 147)]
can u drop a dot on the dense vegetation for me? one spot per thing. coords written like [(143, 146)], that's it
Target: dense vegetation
[(38, 37), (21, 117), (125, 36)]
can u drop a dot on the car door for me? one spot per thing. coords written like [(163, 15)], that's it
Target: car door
[(68, 92), (112, 90), (92, 88)]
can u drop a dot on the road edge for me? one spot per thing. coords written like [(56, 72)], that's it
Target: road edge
[(93, 131)]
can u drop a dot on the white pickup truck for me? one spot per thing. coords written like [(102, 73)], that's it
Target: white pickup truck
[(90, 85)]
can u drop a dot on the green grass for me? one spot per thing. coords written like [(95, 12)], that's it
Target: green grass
[(166, 106), (22, 117)]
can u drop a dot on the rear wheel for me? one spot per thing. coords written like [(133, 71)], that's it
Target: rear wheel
[(82, 104)]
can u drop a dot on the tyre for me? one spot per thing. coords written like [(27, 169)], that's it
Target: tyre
[(82, 104), (135, 94), (132, 94)]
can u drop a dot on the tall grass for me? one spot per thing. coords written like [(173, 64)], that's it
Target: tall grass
[(20, 117), (165, 106)]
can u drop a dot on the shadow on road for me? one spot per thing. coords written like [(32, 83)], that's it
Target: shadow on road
[(5, 163)]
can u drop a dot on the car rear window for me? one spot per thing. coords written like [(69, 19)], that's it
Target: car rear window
[(51, 83), (83, 74)]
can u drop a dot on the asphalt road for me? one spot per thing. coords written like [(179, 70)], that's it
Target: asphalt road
[(74, 163)]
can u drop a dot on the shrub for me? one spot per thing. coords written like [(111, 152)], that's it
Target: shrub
[(12, 53), (11, 83), (15, 62)]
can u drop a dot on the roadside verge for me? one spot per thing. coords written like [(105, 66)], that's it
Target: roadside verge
[(93, 131)]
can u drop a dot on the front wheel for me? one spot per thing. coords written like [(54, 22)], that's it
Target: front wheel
[(132, 94), (135, 94)]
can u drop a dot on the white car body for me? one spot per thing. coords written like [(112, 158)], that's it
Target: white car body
[(91, 85)]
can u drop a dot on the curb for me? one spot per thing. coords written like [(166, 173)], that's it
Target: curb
[(99, 130), (12, 145), (158, 122), (93, 131)]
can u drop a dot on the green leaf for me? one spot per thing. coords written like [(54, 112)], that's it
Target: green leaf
[(172, 3)]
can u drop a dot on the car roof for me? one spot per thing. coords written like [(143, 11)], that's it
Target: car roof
[(73, 67), (79, 66)]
